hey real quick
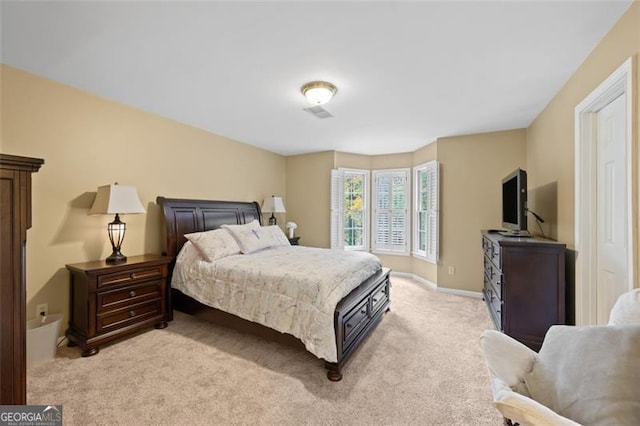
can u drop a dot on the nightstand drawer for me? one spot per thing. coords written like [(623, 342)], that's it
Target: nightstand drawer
[(129, 276), (117, 299), (131, 315)]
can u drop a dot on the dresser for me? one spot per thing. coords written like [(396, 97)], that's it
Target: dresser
[(109, 301), (15, 219), (524, 285)]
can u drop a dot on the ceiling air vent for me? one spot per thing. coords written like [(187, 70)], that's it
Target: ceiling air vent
[(318, 112)]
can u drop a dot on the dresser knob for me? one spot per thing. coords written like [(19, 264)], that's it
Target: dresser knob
[(364, 311), (133, 275), (349, 326), (375, 300), (132, 293), (132, 314)]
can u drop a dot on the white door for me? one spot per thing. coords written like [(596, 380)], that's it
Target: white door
[(612, 245)]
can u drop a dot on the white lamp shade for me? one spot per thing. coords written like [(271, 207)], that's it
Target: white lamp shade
[(273, 205), (121, 199)]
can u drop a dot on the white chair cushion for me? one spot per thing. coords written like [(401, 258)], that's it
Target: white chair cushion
[(508, 359), (527, 412), (626, 310), (589, 374)]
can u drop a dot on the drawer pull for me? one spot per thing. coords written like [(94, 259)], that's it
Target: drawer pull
[(364, 311), (132, 314), (349, 325), (375, 300), (133, 275), (132, 293)]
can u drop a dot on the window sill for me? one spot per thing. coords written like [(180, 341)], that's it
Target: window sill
[(423, 258), (391, 253)]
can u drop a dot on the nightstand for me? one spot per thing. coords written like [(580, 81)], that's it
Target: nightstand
[(109, 301), (294, 241)]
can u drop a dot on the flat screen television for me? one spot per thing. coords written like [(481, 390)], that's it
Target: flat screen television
[(514, 204)]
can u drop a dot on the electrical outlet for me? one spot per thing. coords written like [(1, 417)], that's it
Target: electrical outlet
[(452, 270), (42, 310)]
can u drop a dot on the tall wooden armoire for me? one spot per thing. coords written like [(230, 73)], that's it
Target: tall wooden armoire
[(15, 219)]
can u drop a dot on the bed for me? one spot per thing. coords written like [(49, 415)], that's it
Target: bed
[(356, 314)]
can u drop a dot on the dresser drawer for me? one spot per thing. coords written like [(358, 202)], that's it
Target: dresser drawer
[(494, 306), (355, 321), (494, 302), (129, 276), (486, 246), (117, 299), (380, 297), (131, 315), (495, 254)]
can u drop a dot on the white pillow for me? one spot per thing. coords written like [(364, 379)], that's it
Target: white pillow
[(589, 374), (214, 244), (274, 235), (254, 224), (251, 240)]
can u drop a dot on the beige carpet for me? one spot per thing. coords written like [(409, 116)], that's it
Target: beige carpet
[(422, 365)]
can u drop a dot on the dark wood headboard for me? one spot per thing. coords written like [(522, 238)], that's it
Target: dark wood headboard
[(186, 216)]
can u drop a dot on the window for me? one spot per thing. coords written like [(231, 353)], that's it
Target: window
[(426, 211), (390, 211), (349, 215)]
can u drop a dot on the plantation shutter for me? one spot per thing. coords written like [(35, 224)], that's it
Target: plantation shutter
[(382, 211), (433, 210), (391, 211), (337, 209)]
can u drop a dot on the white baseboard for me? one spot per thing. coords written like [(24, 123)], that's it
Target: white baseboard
[(465, 293), (434, 286)]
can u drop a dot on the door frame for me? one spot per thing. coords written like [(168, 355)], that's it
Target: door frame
[(617, 84)]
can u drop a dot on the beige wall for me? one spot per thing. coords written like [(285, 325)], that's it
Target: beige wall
[(425, 154), (472, 169), (550, 138), (351, 161), (87, 141), (309, 196)]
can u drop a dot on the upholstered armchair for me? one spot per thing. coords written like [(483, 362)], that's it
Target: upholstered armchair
[(582, 375)]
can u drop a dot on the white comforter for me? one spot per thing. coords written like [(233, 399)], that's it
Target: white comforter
[(293, 289)]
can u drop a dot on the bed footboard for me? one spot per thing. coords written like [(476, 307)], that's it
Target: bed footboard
[(356, 316)]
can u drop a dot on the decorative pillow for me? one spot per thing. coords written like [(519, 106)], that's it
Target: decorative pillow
[(589, 374), (253, 239), (254, 224), (214, 244), (274, 235)]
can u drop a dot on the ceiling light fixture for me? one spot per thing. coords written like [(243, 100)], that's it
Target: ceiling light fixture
[(318, 92)]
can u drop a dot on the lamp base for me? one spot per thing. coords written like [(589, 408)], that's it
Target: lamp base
[(273, 220), (116, 257)]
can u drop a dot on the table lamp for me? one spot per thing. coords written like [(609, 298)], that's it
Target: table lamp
[(273, 205), (118, 199)]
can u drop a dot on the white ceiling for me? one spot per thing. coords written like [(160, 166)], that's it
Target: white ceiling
[(407, 72)]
